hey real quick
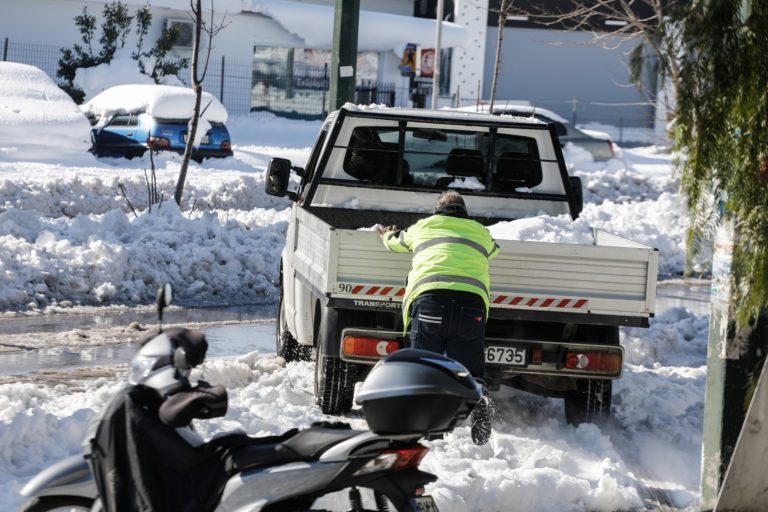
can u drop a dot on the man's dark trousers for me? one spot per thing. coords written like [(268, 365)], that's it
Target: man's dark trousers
[(452, 323)]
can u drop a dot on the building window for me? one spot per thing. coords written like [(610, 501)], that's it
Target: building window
[(294, 82)]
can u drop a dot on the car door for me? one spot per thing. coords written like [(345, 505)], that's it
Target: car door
[(118, 137)]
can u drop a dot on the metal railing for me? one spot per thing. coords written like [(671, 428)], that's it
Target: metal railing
[(303, 92)]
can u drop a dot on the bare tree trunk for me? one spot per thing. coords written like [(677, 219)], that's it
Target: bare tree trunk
[(497, 66), (198, 89)]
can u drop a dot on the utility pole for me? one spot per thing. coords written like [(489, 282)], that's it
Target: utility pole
[(346, 20), (735, 358), (438, 42)]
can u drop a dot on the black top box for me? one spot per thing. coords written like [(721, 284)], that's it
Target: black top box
[(414, 391)]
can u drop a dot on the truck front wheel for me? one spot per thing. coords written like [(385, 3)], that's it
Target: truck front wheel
[(590, 402), (334, 383), (286, 345)]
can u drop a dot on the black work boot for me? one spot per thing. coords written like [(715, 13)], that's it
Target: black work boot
[(481, 419)]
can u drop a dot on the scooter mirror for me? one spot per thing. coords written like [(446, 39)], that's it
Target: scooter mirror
[(164, 297)]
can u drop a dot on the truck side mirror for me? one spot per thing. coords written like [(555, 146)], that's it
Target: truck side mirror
[(278, 173), (560, 129), (578, 195)]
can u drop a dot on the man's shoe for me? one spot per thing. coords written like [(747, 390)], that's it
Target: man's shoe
[(481, 421)]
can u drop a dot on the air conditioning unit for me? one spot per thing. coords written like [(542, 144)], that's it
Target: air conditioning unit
[(186, 32)]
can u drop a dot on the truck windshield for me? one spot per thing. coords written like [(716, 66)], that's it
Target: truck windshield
[(442, 158)]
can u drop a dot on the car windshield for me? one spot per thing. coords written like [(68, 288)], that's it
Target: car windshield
[(442, 158)]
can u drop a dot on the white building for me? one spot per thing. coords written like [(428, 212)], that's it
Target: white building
[(272, 52)]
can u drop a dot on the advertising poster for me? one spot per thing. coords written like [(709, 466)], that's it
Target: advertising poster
[(427, 63), (408, 62)]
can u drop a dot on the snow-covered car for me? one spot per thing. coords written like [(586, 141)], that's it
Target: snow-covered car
[(129, 119), (38, 121), (599, 144)]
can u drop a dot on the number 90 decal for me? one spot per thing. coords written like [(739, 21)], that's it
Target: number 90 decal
[(345, 288)]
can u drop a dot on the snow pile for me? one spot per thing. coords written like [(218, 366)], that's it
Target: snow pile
[(121, 71), (37, 119), (633, 134), (656, 223), (115, 258), (544, 228), (75, 195), (160, 101), (619, 179)]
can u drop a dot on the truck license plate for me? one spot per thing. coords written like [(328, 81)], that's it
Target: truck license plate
[(423, 504), (510, 356), (204, 140)]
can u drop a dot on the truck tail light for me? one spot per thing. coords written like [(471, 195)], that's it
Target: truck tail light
[(536, 355), (226, 146), (599, 362), (369, 347), (158, 143)]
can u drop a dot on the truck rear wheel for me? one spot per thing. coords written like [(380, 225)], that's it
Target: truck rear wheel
[(334, 383), (286, 345), (590, 402)]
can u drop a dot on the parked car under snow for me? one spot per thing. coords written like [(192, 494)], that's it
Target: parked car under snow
[(38, 121), (599, 144), (129, 119)]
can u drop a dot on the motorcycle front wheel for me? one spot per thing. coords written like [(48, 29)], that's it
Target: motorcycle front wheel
[(58, 504)]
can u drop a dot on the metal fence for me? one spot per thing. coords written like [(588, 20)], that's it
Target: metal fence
[(299, 93), (43, 56), (302, 92)]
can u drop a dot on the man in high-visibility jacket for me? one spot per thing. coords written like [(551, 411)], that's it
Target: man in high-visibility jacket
[(447, 296)]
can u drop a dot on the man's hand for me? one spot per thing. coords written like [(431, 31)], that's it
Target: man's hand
[(382, 230)]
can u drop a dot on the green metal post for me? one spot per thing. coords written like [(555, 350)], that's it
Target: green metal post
[(344, 56), (734, 361)]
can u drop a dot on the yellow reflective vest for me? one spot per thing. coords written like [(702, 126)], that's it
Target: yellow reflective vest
[(449, 253)]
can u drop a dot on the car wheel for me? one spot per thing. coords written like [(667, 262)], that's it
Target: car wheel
[(590, 402), (286, 345), (334, 380)]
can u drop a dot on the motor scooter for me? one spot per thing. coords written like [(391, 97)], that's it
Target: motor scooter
[(141, 453)]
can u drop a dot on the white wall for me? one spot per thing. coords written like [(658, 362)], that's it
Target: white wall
[(550, 68), (468, 63)]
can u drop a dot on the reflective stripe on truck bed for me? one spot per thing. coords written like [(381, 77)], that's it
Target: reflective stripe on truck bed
[(516, 301)]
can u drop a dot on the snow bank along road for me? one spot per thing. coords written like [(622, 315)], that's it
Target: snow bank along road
[(69, 242)]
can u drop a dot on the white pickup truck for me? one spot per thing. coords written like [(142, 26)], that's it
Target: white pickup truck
[(555, 307)]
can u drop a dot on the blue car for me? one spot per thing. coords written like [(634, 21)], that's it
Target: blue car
[(127, 120)]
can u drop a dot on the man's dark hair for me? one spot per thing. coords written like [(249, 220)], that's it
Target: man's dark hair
[(450, 202)]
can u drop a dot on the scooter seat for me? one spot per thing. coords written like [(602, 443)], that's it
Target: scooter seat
[(312, 442), (305, 445)]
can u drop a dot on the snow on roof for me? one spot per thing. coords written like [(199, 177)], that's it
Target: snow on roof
[(515, 107), (377, 30), (38, 120), (230, 6), (163, 101), (446, 113)]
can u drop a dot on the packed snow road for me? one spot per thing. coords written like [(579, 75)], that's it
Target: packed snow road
[(69, 242)]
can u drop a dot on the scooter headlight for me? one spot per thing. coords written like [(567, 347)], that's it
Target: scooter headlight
[(141, 367)]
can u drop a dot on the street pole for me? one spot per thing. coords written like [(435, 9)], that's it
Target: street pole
[(438, 37), (344, 54), (735, 357)]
